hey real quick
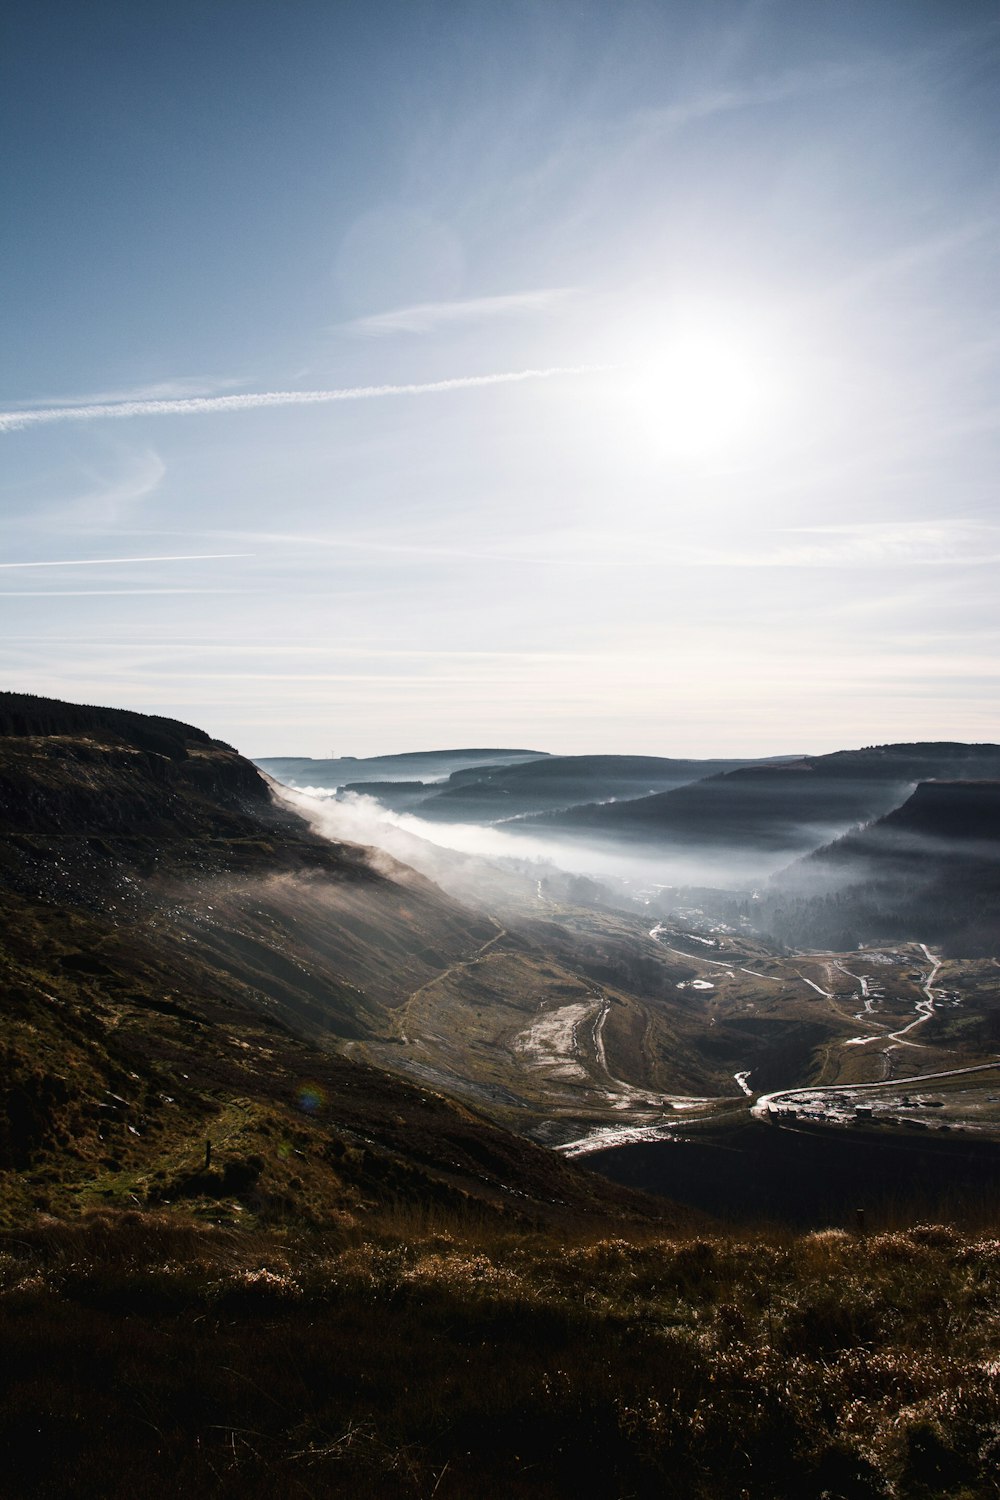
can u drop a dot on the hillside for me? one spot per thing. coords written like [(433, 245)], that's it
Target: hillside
[(931, 866), (174, 945), (769, 813), (428, 767), (153, 1358), (495, 793), (491, 786)]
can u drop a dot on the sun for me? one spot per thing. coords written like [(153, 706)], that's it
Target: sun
[(701, 387), (712, 393)]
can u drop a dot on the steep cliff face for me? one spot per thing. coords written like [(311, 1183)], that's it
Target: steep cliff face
[(86, 785)]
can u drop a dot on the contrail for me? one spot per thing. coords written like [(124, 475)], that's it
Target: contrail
[(196, 405), (94, 562)]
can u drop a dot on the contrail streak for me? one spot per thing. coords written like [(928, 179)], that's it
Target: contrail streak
[(196, 405), (95, 562)]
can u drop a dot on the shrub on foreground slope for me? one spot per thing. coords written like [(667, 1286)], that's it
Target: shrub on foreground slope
[(144, 1355)]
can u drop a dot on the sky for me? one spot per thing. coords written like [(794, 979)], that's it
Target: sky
[(559, 375)]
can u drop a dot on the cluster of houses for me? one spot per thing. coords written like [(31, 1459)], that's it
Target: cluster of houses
[(847, 1114)]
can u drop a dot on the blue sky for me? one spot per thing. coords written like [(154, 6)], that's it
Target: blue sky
[(575, 376)]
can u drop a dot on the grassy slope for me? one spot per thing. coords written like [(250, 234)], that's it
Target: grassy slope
[(171, 946), (147, 1357)]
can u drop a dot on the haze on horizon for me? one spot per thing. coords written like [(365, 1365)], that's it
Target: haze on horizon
[(572, 376)]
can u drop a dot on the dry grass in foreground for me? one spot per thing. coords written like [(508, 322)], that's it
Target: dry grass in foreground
[(148, 1355)]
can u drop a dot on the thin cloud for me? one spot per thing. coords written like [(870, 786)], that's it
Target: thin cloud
[(797, 83), (203, 405), (110, 500), (160, 390), (100, 593), (889, 544), (424, 317), (875, 544), (96, 562)]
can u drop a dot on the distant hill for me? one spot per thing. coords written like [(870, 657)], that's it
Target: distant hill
[(500, 784), (779, 810), (929, 870), (496, 793), (428, 766)]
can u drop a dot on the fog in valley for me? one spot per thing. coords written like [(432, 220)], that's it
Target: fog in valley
[(920, 864), (493, 865)]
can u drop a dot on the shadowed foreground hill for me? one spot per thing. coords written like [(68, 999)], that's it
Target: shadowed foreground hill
[(173, 946), (144, 1357)]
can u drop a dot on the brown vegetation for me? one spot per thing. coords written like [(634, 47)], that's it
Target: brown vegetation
[(441, 1356)]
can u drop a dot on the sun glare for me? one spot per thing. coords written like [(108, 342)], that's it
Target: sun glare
[(711, 393), (701, 388)]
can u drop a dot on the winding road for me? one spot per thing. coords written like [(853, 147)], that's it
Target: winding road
[(462, 963)]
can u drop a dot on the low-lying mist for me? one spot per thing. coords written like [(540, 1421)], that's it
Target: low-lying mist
[(488, 865)]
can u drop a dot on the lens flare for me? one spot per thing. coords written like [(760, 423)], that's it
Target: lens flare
[(311, 1097)]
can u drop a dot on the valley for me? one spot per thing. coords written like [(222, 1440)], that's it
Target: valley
[(583, 1012), (458, 1152), (582, 1059)]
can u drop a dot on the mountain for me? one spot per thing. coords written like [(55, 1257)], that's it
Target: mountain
[(771, 813), (179, 955), (928, 870), (424, 767), (495, 793), (492, 786)]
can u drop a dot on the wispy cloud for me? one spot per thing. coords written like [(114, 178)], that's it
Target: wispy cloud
[(95, 562), (11, 420), (914, 255), (925, 543), (886, 544), (795, 83), (95, 497), (424, 317), (874, 544), (160, 390), (100, 593), (862, 545)]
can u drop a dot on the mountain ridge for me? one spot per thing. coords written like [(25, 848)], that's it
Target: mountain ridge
[(774, 809)]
